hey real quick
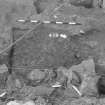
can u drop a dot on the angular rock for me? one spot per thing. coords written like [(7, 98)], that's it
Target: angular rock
[(13, 103), (85, 101), (87, 67), (3, 68)]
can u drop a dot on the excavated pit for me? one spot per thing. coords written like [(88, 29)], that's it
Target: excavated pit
[(38, 50)]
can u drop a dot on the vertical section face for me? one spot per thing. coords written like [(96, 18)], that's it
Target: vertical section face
[(39, 50)]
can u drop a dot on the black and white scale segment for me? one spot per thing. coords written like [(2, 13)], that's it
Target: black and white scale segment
[(48, 22)]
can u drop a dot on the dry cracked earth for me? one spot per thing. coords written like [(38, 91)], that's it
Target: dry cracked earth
[(52, 52)]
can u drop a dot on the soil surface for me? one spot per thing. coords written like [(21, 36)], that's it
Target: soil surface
[(52, 52)]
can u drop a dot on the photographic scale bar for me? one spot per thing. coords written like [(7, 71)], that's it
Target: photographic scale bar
[(48, 22)]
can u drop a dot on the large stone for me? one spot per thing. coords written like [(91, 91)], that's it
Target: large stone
[(86, 71), (86, 68)]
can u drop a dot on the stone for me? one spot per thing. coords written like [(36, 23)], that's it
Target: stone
[(44, 52), (13, 103), (40, 101), (88, 3), (86, 72), (86, 67), (20, 103), (3, 68), (29, 103), (101, 86), (29, 91), (3, 79), (36, 74)]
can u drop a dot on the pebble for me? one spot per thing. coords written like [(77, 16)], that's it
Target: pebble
[(20, 103)]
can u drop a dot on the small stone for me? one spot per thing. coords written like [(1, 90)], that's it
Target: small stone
[(89, 65), (40, 101), (21, 103), (18, 83), (3, 68), (36, 75)]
